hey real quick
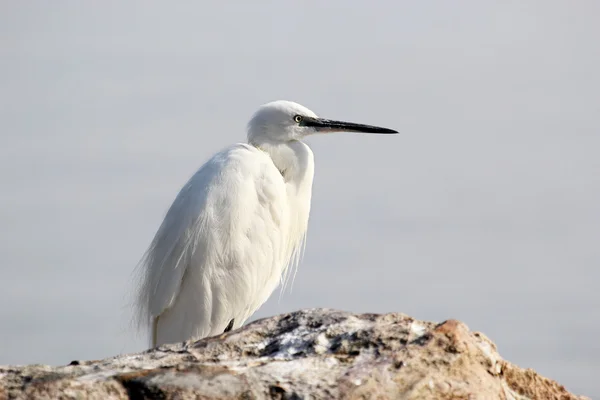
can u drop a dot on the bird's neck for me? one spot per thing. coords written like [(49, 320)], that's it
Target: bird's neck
[(294, 160)]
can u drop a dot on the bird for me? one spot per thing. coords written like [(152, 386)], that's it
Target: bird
[(235, 230)]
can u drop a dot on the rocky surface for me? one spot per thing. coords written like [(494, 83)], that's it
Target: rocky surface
[(310, 354)]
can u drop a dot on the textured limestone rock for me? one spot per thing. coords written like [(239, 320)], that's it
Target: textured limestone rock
[(311, 354)]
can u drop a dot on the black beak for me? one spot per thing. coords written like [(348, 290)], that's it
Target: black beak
[(328, 125)]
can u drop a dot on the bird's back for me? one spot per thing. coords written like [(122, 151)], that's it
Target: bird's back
[(222, 248)]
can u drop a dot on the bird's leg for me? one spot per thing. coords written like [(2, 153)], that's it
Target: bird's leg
[(154, 331), (229, 326)]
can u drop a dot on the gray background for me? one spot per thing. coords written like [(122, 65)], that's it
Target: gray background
[(485, 208)]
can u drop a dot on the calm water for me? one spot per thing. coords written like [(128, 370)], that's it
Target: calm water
[(485, 208)]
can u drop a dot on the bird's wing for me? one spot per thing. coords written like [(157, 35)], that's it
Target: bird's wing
[(166, 260), (224, 217)]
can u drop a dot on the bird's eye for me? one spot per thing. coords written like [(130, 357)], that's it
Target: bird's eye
[(298, 118)]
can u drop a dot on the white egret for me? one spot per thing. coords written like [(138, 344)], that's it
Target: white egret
[(235, 230)]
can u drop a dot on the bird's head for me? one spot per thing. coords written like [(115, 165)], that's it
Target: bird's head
[(284, 121)]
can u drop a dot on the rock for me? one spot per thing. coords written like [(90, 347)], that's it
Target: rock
[(314, 353)]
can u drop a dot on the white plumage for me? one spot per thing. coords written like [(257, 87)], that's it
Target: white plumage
[(235, 230)]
